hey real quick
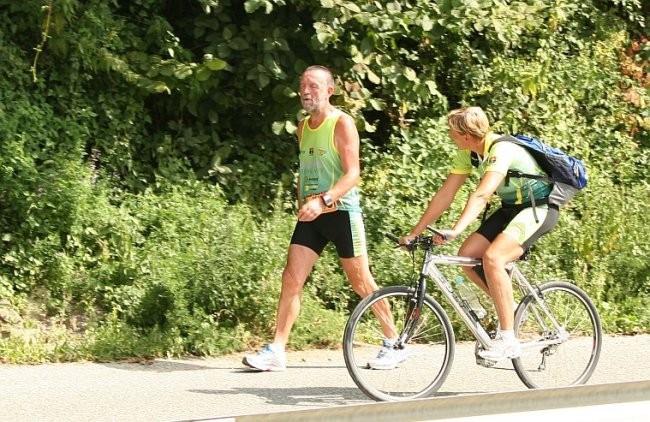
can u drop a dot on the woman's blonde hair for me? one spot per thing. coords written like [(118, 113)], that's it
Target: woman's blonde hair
[(469, 120)]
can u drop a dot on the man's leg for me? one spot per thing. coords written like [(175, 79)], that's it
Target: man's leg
[(358, 272), (300, 261), (503, 250), (474, 247)]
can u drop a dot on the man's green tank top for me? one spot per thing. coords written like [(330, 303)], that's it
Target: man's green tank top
[(320, 162)]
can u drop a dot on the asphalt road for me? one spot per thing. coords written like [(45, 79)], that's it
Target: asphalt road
[(195, 389)]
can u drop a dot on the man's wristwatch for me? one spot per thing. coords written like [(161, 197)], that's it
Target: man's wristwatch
[(327, 200)]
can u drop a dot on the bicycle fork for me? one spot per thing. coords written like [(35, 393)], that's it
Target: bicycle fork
[(413, 313)]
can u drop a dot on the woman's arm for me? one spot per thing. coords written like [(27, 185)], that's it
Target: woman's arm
[(476, 202), (439, 203)]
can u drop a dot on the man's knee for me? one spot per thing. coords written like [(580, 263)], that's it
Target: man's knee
[(492, 258), (292, 282), (359, 275), (474, 246)]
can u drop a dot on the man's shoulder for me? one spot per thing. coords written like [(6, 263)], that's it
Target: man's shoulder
[(343, 119), (501, 145), (340, 115)]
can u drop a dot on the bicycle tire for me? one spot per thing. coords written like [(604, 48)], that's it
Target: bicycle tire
[(571, 361), (430, 351)]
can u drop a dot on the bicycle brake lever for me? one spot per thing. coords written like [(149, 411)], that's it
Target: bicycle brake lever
[(439, 233)]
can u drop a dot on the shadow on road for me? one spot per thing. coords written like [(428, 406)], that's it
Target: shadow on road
[(159, 366), (310, 397), (321, 396)]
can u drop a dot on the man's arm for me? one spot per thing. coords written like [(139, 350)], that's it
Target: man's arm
[(477, 201), (346, 139), (439, 203), (299, 134)]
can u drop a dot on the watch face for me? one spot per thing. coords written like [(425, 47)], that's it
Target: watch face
[(328, 200)]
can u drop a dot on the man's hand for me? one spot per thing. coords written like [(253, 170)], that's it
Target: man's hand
[(406, 240), (311, 209), (443, 236)]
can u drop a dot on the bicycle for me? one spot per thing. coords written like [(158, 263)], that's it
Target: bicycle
[(556, 323)]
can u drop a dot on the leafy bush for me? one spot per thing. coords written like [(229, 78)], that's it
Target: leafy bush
[(148, 156)]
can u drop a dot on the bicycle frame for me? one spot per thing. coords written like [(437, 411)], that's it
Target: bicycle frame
[(430, 269)]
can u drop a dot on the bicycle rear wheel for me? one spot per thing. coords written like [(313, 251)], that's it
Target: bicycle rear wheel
[(574, 351), (429, 352)]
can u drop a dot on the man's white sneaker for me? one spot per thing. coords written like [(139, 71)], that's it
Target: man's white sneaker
[(501, 348), (266, 360), (388, 357)]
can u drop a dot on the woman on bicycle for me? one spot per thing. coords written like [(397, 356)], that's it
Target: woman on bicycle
[(508, 232)]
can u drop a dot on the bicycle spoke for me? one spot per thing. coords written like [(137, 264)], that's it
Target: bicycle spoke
[(428, 352), (558, 356)]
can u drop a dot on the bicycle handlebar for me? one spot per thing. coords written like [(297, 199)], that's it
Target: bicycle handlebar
[(419, 240)]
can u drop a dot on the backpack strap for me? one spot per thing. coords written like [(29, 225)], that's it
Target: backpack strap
[(473, 157), (517, 173), (540, 201), (533, 203)]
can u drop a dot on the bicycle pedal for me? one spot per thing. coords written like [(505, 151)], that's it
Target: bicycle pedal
[(485, 362)]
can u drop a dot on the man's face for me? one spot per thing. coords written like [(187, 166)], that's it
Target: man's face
[(314, 91), (459, 140)]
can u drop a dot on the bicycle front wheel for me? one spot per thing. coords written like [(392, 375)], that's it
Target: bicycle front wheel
[(563, 355), (429, 351)]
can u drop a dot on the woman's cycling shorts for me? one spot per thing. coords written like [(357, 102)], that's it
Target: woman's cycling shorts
[(343, 228), (519, 223)]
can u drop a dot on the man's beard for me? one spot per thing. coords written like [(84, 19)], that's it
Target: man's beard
[(310, 106)]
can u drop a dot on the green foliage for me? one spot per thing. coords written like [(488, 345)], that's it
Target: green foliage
[(148, 156), (401, 180)]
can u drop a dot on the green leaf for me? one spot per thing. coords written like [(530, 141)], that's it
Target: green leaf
[(376, 105), (282, 93), (203, 74), (166, 70), (277, 127), (427, 24), (215, 64), (433, 88), (263, 80), (410, 74), (290, 126), (182, 71), (213, 115), (238, 43), (323, 37), (158, 87), (369, 127), (372, 77), (351, 6), (252, 5)]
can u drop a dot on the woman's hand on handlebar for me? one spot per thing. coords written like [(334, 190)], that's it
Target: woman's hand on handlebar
[(407, 240), (444, 235)]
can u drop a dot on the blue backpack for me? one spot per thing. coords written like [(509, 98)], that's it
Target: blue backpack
[(568, 174)]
